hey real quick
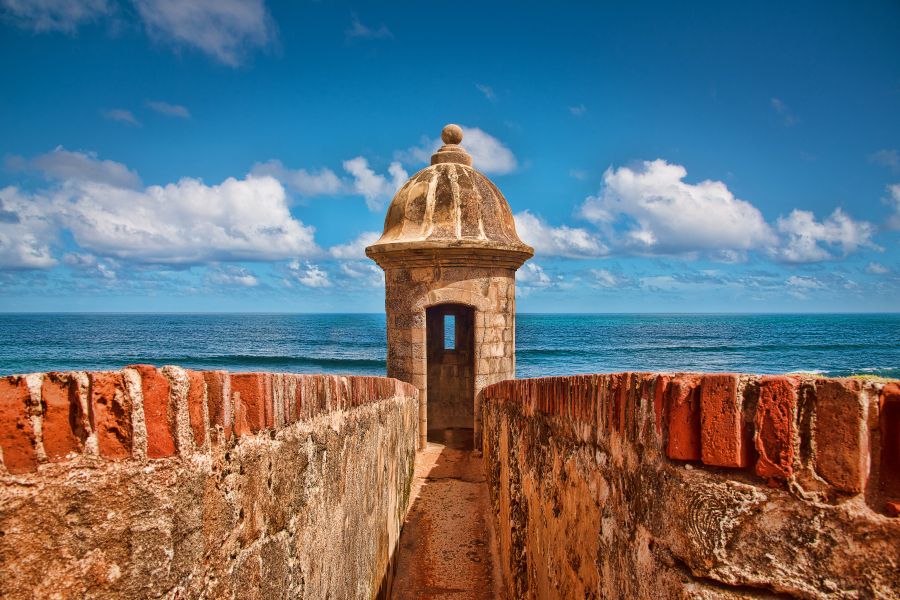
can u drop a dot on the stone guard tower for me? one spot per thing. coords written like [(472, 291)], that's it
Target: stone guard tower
[(450, 254)]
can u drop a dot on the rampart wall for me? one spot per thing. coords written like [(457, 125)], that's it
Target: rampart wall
[(636, 485), (150, 482)]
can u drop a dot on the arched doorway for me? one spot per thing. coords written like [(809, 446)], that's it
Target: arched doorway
[(450, 348)]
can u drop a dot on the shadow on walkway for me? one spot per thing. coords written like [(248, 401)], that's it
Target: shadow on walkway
[(447, 547)]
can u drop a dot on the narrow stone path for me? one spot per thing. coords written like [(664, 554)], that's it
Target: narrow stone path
[(447, 547)]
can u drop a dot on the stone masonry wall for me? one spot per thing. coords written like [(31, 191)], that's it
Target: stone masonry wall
[(636, 485), (152, 482), (490, 290)]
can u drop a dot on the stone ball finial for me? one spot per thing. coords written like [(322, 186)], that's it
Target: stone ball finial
[(452, 134), (451, 151)]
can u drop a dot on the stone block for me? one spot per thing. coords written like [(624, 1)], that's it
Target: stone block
[(252, 398), (159, 411), (218, 402), (721, 422), (889, 424), (62, 418), (683, 414), (195, 398), (774, 437), (110, 414), (16, 430), (839, 435), (659, 399)]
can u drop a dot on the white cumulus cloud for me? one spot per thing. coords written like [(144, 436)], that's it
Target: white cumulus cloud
[(223, 29), (806, 238), (185, 222), (489, 154), (309, 274), (375, 188), (360, 180), (101, 205), (533, 275), (572, 242), (356, 248), (26, 231), (659, 213)]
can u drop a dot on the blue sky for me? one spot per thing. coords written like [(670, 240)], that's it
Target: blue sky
[(237, 155)]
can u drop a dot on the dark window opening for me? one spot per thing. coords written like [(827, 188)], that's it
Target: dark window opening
[(450, 373)]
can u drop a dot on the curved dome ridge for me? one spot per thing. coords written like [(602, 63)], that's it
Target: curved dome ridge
[(450, 205), (449, 202)]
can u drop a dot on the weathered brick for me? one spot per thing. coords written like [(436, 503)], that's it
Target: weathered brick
[(159, 411), (252, 393), (281, 399), (721, 422), (775, 427), (217, 403), (683, 410), (841, 446), (659, 391), (619, 401), (62, 417), (774, 438), (110, 414), (890, 442), (196, 392), (300, 387), (16, 431)]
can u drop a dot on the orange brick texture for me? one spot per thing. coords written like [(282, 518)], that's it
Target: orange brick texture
[(55, 417), (737, 422)]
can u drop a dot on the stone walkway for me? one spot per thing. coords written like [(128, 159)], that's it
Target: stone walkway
[(447, 547)]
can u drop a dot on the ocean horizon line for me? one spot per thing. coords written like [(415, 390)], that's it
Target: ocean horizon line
[(566, 313)]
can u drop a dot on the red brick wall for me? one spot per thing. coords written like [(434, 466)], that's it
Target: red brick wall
[(153, 482), (851, 436), (131, 413)]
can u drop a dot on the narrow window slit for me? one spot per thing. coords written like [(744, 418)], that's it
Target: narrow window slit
[(449, 332)]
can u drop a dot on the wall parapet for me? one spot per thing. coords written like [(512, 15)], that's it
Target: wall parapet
[(698, 477), (158, 481), (143, 412)]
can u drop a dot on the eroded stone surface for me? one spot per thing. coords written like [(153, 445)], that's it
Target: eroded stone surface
[(17, 436), (447, 547), (584, 510), (309, 510), (63, 420), (111, 414)]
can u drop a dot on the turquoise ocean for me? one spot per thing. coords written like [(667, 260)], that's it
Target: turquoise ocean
[(547, 344)]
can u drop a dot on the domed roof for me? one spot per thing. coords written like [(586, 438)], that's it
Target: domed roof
[(450, 205)]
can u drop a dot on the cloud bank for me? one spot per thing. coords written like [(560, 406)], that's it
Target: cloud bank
[(651, 210)]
